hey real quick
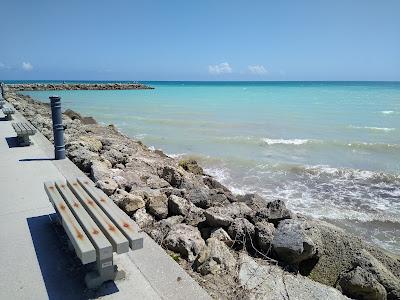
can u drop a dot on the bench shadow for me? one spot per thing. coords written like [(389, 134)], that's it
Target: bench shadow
[(12, 142), (4, 119), (62, 272)]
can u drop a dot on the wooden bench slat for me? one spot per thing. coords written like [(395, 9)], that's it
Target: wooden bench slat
[(81, 243), (28, 128), (114, 235), (103, 246), (129, 228)]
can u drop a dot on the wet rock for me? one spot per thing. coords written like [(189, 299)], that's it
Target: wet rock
[(264, 235), (191, 165), (72, 114), (222, 236), (242, 232), (295, 242), (142, 218), (172, 176), (158, 206), (184, 239), (108, 186), (214, 258), (360, 284)]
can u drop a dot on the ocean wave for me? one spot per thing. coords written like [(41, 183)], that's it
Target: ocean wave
[(285, 142), (387, 112), (372, 128)]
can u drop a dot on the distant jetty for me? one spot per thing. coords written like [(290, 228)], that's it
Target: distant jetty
[(75, 86)]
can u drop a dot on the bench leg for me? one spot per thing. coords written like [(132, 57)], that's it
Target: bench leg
[(8, 117), (106, 270), (24, 140)]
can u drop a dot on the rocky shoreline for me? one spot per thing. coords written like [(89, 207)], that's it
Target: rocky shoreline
[(75, 86), (236, 247)]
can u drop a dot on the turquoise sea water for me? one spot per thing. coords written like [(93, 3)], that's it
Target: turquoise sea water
[(330, 149)]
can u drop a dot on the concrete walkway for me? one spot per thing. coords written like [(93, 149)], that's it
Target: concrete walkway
[(35, 263)]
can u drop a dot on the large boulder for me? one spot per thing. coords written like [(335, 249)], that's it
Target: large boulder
[(294, 241), (360, 284), (158, 206), (221, 235), (274, 212), (180, 206), (91, 143), (214, 258), (223, 216), (254, 201), (186, 240), (264, 236), (172, 176), (131, 203), (107, 185), (199, 197), (161, 228), (264, 281), (142, 218), (100, 170), (191, 165), (242, 232)]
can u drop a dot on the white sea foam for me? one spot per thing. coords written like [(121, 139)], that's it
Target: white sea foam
[(285, 142), (387, 112), (385, 129), (176, 155)]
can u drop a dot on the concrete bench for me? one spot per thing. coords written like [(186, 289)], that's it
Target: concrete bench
[(8, 111), (95, 226), (24, 130)]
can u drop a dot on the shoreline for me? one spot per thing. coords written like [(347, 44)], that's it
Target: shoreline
[(172, 198), (15, 87)]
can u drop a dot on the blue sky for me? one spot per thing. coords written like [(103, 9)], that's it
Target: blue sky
[(200, 40)]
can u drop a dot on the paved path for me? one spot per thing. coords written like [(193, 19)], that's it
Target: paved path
[(34, 263)]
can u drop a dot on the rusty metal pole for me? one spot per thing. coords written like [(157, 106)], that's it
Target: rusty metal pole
[(58, 128)]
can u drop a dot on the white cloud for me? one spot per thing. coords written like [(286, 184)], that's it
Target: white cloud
[(27, 66), (257, 69), (221, 68)]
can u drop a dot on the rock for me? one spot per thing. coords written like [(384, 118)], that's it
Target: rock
[(218, 200), (242, 232), (217, 217), (190, 165), (214, 258), (269, 282), (72, 114), (199, 197), (155, 182), (91, 143), (264, 236), (178, 205), (184, 239), (293, 242), (158, 206), (172, 176), (360, 284), (133, 180), (254, 201), (108, 186), (222, 236), (142, 218), (88, 120), (223, 216), (81, 156), (100, 170), (115, 157), (131, 203), (274, 212), (214, 184), (370, 264)]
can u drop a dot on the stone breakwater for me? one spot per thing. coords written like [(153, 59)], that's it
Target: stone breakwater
[(75, 86), (235, 246)]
